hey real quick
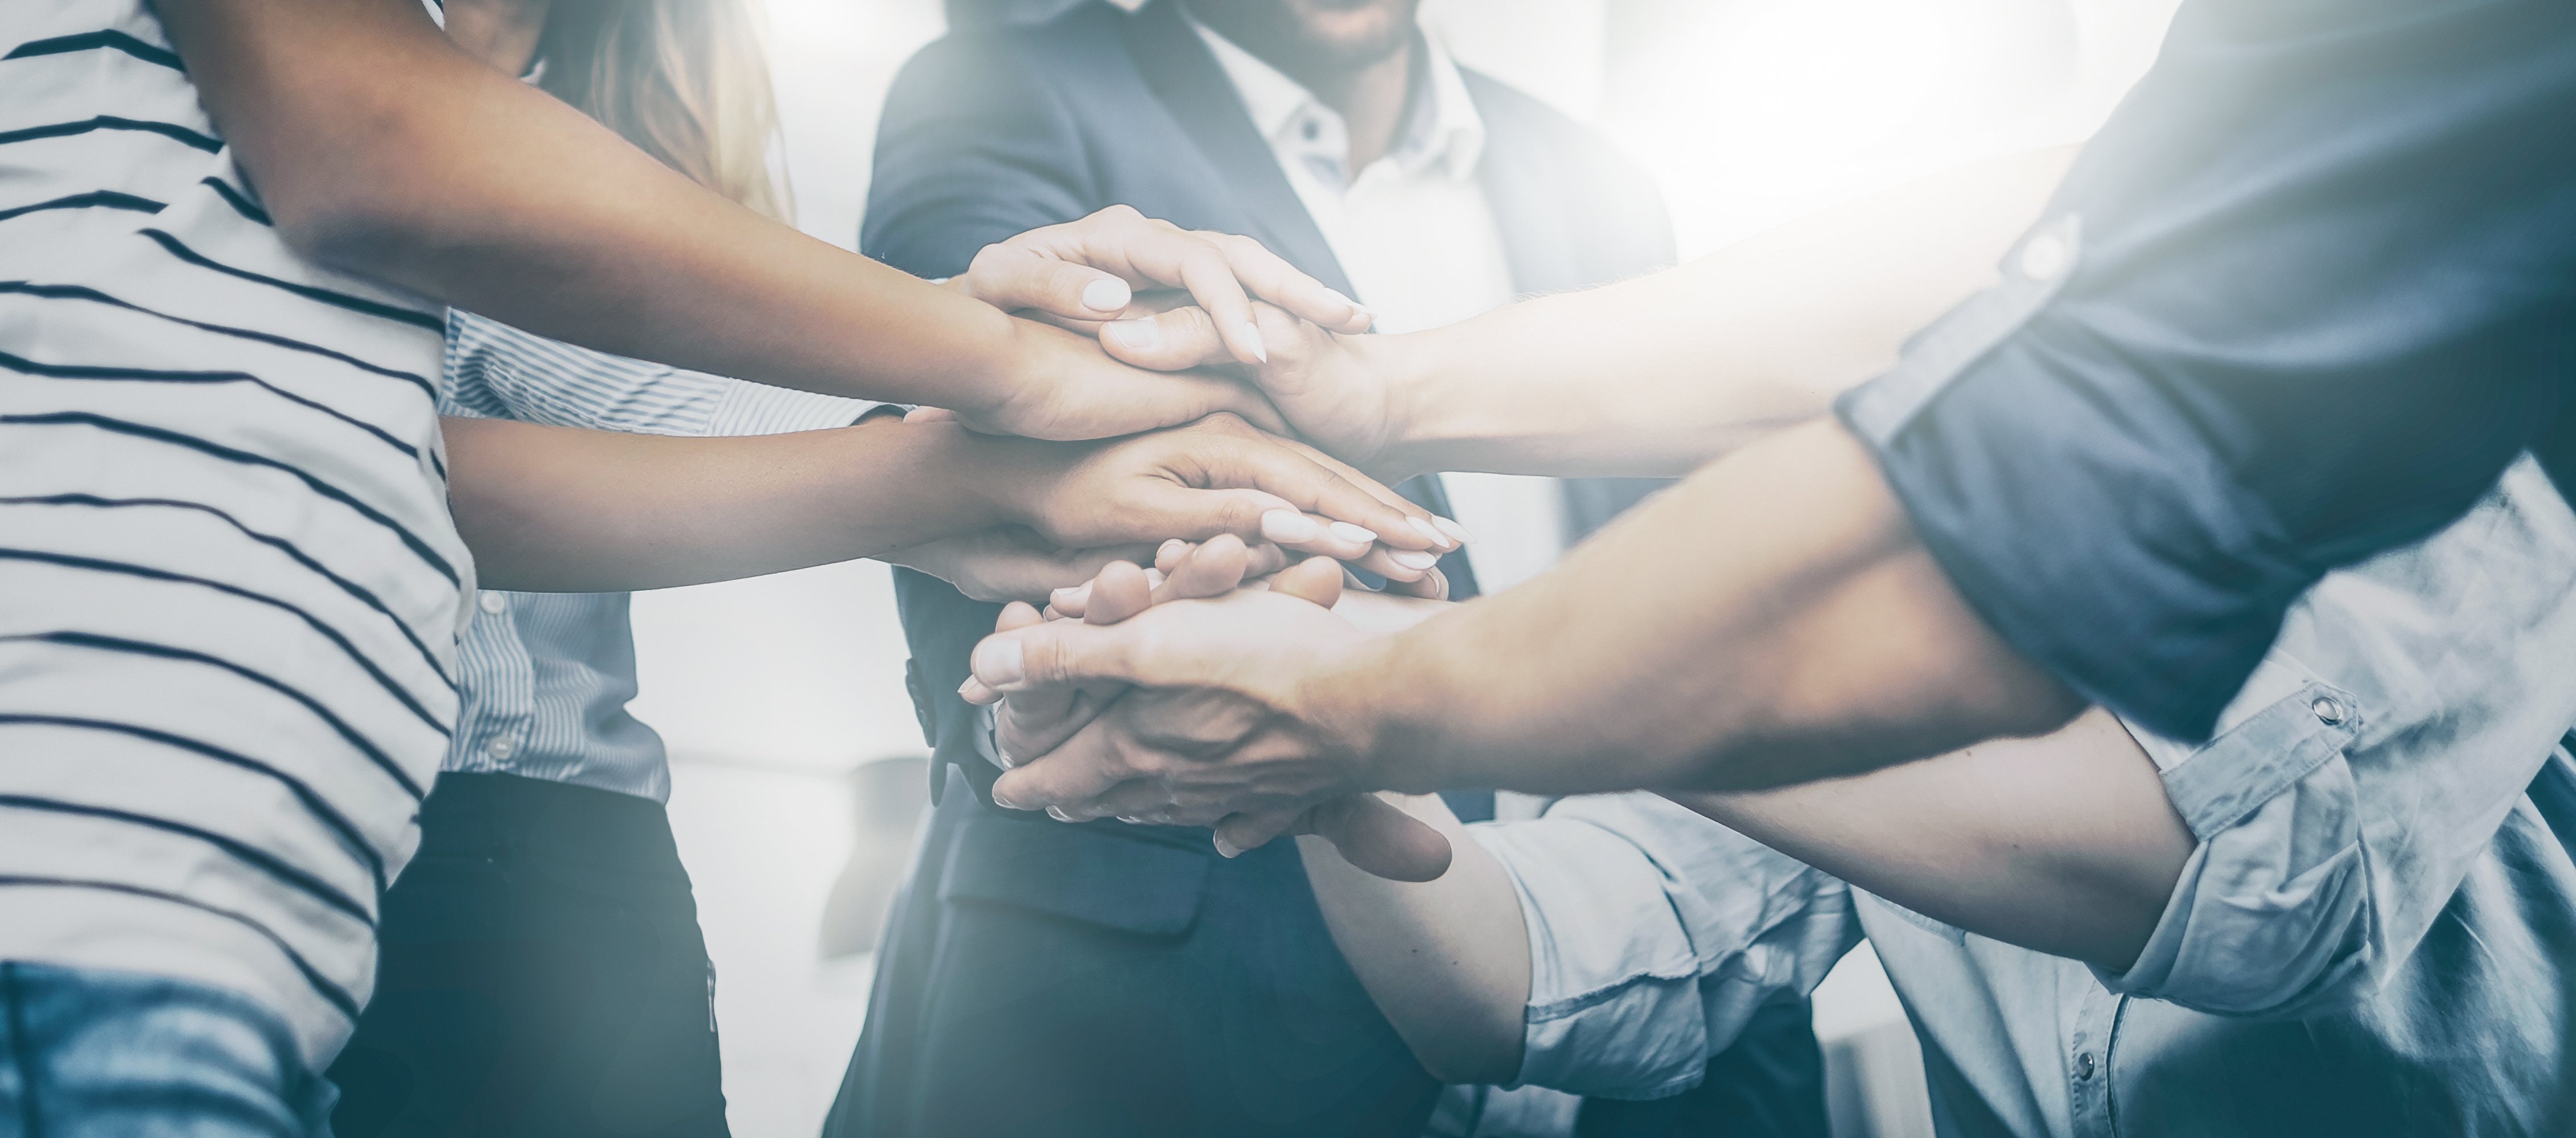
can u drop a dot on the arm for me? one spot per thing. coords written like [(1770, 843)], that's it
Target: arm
[(1707, 356), (384, 150)]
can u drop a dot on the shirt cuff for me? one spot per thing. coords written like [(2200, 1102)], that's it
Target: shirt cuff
[(748, 408)]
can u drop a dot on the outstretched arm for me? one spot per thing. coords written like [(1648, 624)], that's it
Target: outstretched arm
[(384, 150)]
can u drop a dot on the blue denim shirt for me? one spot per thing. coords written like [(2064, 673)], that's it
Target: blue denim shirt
[(544, 678), (2369, 939)]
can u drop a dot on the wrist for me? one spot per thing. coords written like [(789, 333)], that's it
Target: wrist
[(1358, 706), (1403, 369)]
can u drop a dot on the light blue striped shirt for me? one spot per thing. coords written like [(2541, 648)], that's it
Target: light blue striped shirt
[(545, 677)]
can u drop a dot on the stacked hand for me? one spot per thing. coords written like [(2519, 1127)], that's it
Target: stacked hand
[(1221, 749), (1077, 509)]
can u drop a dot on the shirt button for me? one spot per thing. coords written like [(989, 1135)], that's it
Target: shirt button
[(2084, 1067), (494, 602), (2044, 257), (501, 748), (2328, 710)]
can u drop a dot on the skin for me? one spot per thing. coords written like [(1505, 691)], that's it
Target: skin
[(1356, 56), (1794, 627), (459, 219), (2064, 844)]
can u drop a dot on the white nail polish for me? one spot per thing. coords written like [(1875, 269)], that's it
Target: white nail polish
[(1135, 335), (1289, 526), (1057, 813), (1107, 294), (1431, 533), (1454, 530), (1348, 532), (1413, 559), (1251, 333), (1225, 848)]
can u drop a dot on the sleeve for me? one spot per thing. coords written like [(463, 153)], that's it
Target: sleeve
[(497, 371), (972, 148), (2368, 764), (2300, 302), (1655, 934)]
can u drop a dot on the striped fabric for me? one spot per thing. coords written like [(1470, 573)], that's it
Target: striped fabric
[(229, 587), (546, 677)]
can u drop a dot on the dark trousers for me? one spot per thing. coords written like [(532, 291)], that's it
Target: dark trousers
[(542, 976)]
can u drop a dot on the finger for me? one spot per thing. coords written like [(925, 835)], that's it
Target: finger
[(1120, 591), (930, 415), (1377, 838), (1317, 580), (1171, 554), (1270, 277), (1212, 570), (1009, 276), (1433, 585), (1017, 614), (1083, 767), (1397, 564), (1252, 830), (1035, 722), (1071, 601), (1266, 558), (1177, 340), (1424, 529)]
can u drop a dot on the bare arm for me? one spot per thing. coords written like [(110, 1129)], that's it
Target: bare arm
[(383, 149)]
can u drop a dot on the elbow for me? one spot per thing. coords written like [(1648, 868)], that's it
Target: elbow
[(1472, 1058), (357, 226)]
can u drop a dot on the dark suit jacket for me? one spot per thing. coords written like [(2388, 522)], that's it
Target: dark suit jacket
[(1127, 980)]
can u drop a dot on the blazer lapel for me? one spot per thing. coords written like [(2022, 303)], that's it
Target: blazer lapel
[(1180, 70), (1528, 197)]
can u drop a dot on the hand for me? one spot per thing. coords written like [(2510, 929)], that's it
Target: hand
[(1216, 476), (1369, 833), (1010, 563), (1334, 390), (1082, 273)]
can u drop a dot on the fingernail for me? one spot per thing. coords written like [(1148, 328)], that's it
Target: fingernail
[(1288, 526), (1251, 334), (1348, 532), (1004, 801), (1172, 548), (999, 662), (1066, 595), (1131, 820), (1057, 813), (1135, 335), (1154, 579), (1107, 294), (1225, 848), (1454, 530), (1431, 533), (1413, 558)]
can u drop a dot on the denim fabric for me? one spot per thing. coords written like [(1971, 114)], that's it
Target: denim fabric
[(87, 1053)]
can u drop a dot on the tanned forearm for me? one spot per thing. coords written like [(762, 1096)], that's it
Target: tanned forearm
[(382, 149), (1812, 637), (2064, 844), (561, 510), (1657, 375)]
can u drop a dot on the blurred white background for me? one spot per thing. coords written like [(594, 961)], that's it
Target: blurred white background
[(1749, 111)]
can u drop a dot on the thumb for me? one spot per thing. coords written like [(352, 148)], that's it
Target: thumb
[(1056, 653)]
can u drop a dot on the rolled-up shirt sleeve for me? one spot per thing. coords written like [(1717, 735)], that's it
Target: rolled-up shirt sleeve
[(1654, 935), (2368, 763), (2301, 301)]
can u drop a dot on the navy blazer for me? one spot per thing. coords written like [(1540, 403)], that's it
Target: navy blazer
[(1095, 959)]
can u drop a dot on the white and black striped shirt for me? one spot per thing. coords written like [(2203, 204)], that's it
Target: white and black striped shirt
[(229, 586)]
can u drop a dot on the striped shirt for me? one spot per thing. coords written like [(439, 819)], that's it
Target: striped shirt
[(229, 585), (545, 677)]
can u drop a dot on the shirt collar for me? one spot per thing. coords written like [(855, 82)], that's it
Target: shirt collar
[(1442, 133)]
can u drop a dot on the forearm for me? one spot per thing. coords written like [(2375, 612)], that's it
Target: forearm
[(2064, 844), (383, 150), (557, 509), (1810, 636), (1446, 961), (1657, 375)]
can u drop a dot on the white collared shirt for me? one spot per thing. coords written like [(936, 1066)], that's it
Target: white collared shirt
[(1418, 239)]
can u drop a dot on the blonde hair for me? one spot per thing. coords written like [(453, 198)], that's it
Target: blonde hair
[(686, 80)]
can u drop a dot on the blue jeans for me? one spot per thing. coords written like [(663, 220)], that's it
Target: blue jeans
[(97, 1054)]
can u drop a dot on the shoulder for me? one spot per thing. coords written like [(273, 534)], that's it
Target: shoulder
[(1516, 117), (1058, 51)]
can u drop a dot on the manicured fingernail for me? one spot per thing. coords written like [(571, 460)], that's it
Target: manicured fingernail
[(1413, 558), (1107, 294), (1000, 662), (1348, 532), (1057, 813), (1431, 533), (1289, 526), (1251, 334), (1004, 801), (1225, 848), (1135, 335), (1154, 579), (1454, 530), (1172, 548)]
